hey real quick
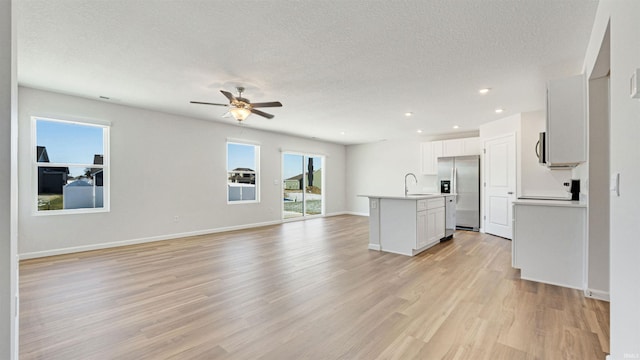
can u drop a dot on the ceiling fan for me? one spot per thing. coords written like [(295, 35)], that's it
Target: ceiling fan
[(241, 107)]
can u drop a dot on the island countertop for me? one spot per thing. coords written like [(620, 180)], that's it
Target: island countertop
[(408, 197)]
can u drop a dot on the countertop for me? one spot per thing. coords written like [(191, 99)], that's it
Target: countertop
[(542, 202), (408, 197)]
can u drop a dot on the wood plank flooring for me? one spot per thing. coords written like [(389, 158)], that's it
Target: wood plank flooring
[(301, 290)]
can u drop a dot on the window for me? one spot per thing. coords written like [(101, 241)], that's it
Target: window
[(242, 173), (70, 166)]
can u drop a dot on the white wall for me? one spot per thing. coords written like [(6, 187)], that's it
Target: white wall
[(162, 166), (597, 188), (533, 179), (508, 125), (8, 271), (624, 150), (536, 179), (379, 169)]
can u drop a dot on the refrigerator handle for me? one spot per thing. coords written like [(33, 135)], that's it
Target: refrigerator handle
[(454, 180), (453, 183)]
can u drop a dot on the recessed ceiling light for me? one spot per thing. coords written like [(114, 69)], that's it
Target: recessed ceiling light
[(499, 110), (407, 114), (484, 91), (419, 131), (456, 126)]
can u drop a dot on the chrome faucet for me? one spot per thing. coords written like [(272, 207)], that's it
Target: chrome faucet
[(406, 189)]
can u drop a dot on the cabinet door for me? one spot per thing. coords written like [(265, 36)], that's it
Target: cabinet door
[(435, 225), (421, 231), (566, 121), (431, 151), (471, 146), (553, 253), (453, 147), (440, 223)]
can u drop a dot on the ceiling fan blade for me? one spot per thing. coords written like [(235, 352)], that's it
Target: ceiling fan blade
[(228, 95), (207, 103), (262, 113), (267, 104)]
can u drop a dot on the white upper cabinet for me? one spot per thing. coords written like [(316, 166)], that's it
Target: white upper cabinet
[(453, 147), (471, 146), (432, 150), (566, 122)]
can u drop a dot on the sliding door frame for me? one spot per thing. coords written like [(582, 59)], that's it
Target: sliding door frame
[(305, 157)]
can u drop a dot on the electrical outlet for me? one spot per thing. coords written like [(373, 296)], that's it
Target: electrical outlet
[(176, 218)]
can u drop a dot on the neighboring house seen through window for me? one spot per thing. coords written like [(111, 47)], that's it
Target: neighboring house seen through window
[(70, 166), (242, 172)]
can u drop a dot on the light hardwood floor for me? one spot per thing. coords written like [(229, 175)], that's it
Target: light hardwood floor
[(301, 290)]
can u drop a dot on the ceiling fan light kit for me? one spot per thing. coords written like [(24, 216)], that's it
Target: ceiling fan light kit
[(241, 107), (240, 113)]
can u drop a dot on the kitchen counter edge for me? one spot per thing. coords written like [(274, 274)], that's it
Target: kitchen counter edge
[(561, 203), (408, 197)]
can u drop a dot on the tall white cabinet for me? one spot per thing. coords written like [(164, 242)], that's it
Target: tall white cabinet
[(566, 144)]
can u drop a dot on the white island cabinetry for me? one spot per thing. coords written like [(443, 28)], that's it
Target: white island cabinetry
[(405, 225)]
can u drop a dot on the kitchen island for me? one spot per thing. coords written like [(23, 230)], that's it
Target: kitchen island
[(405, 225)]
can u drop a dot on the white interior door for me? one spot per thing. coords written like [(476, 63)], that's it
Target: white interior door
[(500, 185)]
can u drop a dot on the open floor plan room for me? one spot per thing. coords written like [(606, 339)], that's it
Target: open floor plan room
[(301, 290)]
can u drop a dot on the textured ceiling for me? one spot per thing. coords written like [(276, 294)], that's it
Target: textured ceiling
[(337, 66)]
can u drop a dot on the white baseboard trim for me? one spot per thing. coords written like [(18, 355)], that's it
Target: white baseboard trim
[(374, 247), (338, 213), (550, 283), (82, 248), (356, 213), (596, 294)]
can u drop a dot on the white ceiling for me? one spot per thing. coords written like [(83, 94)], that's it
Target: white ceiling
[(337, 66)]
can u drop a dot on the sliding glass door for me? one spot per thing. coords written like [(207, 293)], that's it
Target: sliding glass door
[(302, 185)]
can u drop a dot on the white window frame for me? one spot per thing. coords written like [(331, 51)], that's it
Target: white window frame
[(106, 183), (256, 148)]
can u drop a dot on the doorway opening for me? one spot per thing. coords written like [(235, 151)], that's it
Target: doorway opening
[(599, 140), (302, 185)]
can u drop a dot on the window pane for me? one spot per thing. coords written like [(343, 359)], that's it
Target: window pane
[(71, 143), (241, 172), (294, 183), (313, 191), (61, 188)]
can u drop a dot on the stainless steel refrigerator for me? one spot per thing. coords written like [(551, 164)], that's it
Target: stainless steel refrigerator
[(461, 176)]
